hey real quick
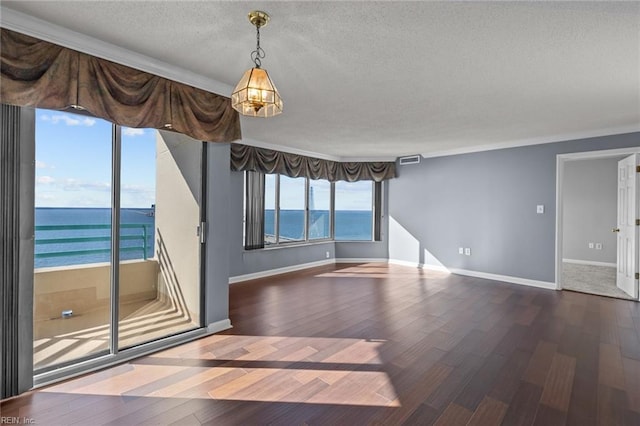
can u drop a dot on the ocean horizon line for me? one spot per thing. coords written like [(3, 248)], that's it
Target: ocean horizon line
[(93, 208)]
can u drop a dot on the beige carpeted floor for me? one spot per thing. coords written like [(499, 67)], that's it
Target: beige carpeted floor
[(600, 280)]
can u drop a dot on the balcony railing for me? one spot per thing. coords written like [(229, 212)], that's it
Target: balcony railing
[(72, 240)]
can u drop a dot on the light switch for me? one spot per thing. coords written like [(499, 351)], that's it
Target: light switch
[(540, 208)]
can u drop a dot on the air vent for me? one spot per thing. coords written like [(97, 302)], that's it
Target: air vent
[(412, 159)]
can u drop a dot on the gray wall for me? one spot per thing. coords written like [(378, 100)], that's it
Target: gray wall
[(589, 193), (253, 261), (485, 201), (218, 233)]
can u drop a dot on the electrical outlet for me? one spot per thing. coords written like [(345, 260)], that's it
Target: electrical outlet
[(598, 246), (540, 209), (328, 254), (590, 245), (460, 250), (467, 251)]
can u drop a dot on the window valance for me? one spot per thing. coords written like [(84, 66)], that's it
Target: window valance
[(40, 74), (249, 158)]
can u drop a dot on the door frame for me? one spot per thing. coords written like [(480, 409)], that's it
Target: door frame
[(116, 355), (561, 159)]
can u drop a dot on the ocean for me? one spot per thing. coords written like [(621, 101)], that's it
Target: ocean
[(73, 236), (76, 236), (351, 225)]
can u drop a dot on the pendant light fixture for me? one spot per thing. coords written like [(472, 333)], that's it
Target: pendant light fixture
[(256, 95)]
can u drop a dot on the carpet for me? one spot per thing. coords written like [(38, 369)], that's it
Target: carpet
[(600, 280)]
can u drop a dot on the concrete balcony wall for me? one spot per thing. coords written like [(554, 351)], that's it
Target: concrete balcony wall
[(85, 288), (177, 217)]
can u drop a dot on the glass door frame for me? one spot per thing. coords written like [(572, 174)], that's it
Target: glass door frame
[(101, 360)]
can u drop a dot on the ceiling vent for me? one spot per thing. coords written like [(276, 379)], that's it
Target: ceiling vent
[(412, 159)]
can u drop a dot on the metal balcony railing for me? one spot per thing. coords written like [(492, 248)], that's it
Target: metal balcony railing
[(76, 240)]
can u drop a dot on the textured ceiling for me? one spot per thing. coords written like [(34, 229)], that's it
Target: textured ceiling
[(384, 79)]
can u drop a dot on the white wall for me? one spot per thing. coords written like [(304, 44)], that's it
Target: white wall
[(589, 193)]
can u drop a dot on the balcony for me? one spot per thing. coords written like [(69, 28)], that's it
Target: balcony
[(72, 303)]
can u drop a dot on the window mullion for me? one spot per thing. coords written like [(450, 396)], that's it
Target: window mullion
[(115, 235), (332, 212), (306, 209), (276, 213)]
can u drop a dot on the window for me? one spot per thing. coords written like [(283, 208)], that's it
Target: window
[(306, 210), (292, 209), (296, 209), (319, 209), (354, 211)]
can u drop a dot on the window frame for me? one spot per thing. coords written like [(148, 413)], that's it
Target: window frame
[(308, 212), (376, 215)]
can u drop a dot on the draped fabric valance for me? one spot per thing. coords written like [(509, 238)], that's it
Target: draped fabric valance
[(244, 157), (40, 74)]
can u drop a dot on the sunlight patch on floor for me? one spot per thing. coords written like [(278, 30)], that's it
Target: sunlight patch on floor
[(253, 368)]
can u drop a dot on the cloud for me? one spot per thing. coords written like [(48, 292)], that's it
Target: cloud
[(69, 120), (130, 131), (45, 180), (88, 201), (41, 165), (76, 185), (137, 189)]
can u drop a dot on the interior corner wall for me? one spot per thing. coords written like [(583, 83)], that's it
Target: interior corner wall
[(590, 209), (369, 250), (484, 201)]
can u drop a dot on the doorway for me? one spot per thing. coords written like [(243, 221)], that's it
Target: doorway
[(587, 220)]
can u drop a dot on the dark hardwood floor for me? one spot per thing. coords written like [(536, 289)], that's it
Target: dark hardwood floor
[(376, 344)]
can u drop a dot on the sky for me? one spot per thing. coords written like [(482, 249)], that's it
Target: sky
[(73, 162)]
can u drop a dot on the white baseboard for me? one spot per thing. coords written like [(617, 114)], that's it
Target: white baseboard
[(419, 265), (590, 262), (485, 275), (218, 326), (405, 263), (360, 260), (278, 271), (505, 278)]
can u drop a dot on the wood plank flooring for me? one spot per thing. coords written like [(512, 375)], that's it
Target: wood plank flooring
[(376, 344)]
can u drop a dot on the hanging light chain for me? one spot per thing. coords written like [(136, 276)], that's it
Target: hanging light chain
[(257, 54)]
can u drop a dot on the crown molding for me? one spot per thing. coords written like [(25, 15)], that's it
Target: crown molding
[(535, 141), (290, 150), (26, 24)]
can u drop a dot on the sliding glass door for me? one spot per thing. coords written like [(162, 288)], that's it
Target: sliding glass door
[(117, 260), (159, 274), (72, 276)]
